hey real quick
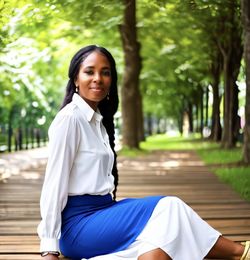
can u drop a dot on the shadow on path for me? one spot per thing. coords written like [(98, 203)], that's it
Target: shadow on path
[(179, 173)]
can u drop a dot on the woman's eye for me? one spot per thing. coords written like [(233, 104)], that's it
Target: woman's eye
[(88, 72), (106, 73)]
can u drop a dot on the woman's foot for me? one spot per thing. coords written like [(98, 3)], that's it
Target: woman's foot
[(246, 254)]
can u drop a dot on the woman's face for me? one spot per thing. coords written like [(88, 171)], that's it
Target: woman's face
[(94, 78)]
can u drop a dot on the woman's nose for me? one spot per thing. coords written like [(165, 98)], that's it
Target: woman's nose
[(97, 77)]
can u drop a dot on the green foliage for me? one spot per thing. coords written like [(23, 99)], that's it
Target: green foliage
[(174, 61), (25, 99), (38, 38)]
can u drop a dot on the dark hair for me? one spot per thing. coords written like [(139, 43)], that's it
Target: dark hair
[(108, 106)]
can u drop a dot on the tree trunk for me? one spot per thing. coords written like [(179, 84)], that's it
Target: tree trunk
[(232, 55), (10, 132), (20, 138), (32, 137), (227, 138), (149, 124), (190, 117), (216, 133), (26, 138), (216, 129), (181, 123), (140, 131), (206, 107), (10, 128), (246, 23), (197, 130), (130, 91), (230, 106), (201, 112)]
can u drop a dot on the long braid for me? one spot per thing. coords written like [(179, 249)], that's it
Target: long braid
[(109, 125), (108, 108)]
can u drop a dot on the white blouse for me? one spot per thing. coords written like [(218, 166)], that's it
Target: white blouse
[(80, 162)]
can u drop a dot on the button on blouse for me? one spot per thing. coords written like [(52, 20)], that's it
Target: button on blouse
[(80, 162)]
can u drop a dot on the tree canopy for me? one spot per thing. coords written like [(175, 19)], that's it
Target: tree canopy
[(181, 45)]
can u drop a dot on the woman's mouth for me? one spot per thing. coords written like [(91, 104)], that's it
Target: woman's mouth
[(97, 89)]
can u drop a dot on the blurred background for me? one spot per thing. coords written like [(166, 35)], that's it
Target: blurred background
[(180, 64)]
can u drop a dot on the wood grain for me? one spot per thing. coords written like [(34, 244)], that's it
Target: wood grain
[(169, 173)]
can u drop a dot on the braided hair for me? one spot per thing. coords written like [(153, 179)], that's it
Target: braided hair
[(108, 106)]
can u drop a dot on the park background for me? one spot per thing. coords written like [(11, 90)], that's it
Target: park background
[(183, 71)]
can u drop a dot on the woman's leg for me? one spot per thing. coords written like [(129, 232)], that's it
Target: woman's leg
[(156, 254), (225, 248), (190, 232)]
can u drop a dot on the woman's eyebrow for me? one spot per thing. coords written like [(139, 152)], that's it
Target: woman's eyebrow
[(92, 67)]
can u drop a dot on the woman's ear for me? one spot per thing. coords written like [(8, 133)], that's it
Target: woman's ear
[(76, 82)]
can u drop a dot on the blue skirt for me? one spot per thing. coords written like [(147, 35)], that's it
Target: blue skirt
[(95, 225)]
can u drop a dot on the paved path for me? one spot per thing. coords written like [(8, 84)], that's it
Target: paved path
[(179, 173), (13, 163)]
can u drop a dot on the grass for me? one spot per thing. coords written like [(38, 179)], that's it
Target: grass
[(220, 156), (238, 178), (163, 142), (128, 152), (223, 161)]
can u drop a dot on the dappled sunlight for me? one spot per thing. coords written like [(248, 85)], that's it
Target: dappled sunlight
[(119, 164), (30, 175), (2, 161), (139, 165), (14, 164), (135, 164), (179, 155), (152, 164), (5, 176), (193, 163), (160, 173), (166, 165)]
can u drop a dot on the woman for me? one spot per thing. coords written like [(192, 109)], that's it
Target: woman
[(79, 214)]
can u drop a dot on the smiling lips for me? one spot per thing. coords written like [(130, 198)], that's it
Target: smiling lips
[(97, 89)]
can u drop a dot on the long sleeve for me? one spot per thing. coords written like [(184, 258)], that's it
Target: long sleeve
[(64, 139)]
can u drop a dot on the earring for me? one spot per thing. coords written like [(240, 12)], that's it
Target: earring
[(77, 89), (108, 96)]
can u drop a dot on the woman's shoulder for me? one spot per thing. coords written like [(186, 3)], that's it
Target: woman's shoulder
[(66, 116), (68, 111)]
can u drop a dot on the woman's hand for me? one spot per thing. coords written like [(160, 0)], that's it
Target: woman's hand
[(50, 257)]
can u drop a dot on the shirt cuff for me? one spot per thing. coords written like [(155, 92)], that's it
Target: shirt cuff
[(49, 244)]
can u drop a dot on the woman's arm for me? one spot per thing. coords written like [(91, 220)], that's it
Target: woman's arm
[(64, 138)]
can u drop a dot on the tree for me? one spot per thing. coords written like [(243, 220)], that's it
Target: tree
[(26, 99), (245, 5), (130, 93), (231, 48), (173, 69), (216, 67)]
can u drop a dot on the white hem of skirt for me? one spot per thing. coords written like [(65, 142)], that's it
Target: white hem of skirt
[(176, 229)]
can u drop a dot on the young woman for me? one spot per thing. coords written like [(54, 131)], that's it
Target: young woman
[(80, 216)]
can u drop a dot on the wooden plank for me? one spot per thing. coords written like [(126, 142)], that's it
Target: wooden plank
[(24, 257), (20, 257), (180, 174)]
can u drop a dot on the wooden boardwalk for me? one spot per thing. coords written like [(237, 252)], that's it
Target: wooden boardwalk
[(165, 173)]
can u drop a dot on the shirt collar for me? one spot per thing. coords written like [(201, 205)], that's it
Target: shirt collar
[(89, 112)]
